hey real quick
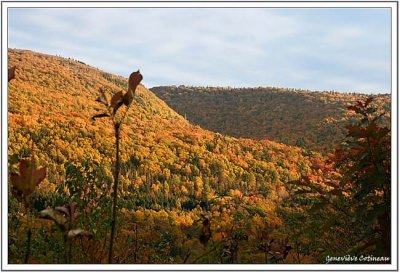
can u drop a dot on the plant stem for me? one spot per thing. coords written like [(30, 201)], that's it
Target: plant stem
[(69, 242), (65, 248), (117, 127), (136, 243), (28, 245), (266, 256)]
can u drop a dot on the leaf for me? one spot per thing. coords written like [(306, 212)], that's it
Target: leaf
[(128, 97), (303, 181), (28, 178), (69, 210), (368, 101), (337, 192), (370, 184), (56, 216), (103, 97), (356, 131), (355, 108), (78, 233), (205, 230), (378, 117), (134, 79), (117, 101), (11, 73), (382, 131), (376, 211), (100, 116), (63, 210), (334, 185)]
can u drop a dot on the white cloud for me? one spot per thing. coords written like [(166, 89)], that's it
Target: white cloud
[(246, 47), (342, 36)]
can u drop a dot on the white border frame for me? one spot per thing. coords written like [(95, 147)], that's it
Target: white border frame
[(212, 267)]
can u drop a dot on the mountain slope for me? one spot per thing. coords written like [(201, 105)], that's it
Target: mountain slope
[(52, 101), (186, 195), (315, 120), (172, 172)]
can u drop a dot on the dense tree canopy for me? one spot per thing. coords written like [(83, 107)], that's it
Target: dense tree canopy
[(308, 119), (186, 195)]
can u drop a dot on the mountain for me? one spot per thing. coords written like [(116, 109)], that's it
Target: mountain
[(52, 101), (171, 171), (313, 120), (186, 194)]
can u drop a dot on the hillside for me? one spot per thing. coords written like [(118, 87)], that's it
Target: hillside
[(186, 195), (314, 120), (167, 163), (52, 102)]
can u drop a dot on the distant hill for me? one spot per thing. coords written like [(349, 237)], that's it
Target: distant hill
[(314, 120)]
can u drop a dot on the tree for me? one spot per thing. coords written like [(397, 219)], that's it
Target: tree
[(365, 162), (354, 184)]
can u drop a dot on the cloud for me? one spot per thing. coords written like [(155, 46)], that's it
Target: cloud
[(300, 48)]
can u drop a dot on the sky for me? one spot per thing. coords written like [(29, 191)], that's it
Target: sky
[(340, 49)]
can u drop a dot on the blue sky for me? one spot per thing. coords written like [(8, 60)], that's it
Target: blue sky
[(341, 49)]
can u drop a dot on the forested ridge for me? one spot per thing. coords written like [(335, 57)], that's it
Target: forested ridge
[(186, 195), (309, 119)]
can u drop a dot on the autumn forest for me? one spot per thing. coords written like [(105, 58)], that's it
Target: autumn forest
[(103, 170)]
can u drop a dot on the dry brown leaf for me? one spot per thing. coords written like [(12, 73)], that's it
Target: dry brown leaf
[(11, 73), (69, 210), (205, 230), (100, 116), (78, 232), (56, 216), (103, 98), (28, 178), (134, 79), (117, 101)]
